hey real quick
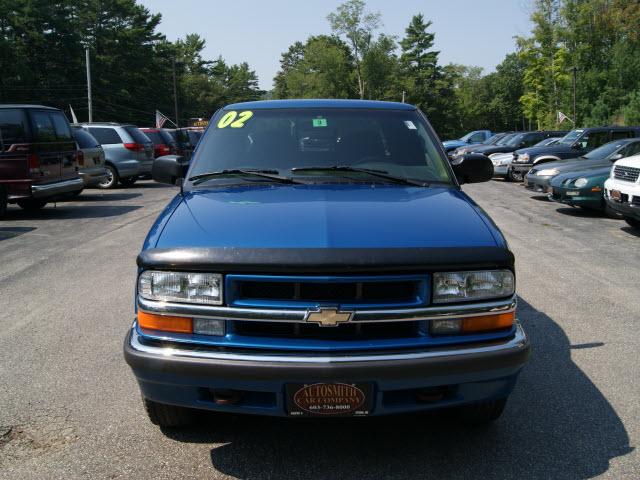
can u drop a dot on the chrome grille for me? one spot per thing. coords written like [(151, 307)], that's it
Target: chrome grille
[(628, 174)]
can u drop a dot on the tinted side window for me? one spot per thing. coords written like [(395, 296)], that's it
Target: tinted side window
[(12, 127), (166, 136), (477, 137), (619, 134), (592, 140), (84, 138), (61, 126), (44, 130), (106, 136)]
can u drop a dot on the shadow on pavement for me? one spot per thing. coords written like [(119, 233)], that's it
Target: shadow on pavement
[(557, 425), (631, 231), (11, 232), (65, 211), (581, 212), (104, 197)]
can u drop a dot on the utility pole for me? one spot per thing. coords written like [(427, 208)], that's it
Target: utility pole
[(402, 96), (175, 93), (575, 74), (89, 99)]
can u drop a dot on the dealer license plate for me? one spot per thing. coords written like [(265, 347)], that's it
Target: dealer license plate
[(616, 195), (329, 399)]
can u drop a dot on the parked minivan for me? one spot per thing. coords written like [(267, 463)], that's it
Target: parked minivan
[(128, 152), (90, 158), (38, 161)]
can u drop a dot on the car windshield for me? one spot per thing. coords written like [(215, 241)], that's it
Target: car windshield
[(467, 136), (547, 142), (604, 151), (494, 139), (396, 142), (515, 140), (571, 137), (505, 140)]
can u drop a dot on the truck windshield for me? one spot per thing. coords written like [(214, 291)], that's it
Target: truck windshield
[(571, 137), (396, 142)]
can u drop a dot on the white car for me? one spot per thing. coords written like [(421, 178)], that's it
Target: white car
[(501, 162), (622, 189)]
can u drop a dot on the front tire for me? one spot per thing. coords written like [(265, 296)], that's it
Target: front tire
[(31, 204), (513, 176), (111, 180), (633, 222), (168, 415), (482, 413)]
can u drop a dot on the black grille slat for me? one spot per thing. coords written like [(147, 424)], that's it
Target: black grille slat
[(628, 174), (391, 292), (346, 332)]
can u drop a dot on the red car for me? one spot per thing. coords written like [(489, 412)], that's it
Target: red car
[(38, 157), (163, 142)]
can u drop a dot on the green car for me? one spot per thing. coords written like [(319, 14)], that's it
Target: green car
[(581, 188)]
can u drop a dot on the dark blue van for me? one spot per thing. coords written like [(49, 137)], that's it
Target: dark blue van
[(322, 260)]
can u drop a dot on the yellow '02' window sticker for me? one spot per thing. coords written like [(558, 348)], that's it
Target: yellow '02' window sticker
[(235, 119)]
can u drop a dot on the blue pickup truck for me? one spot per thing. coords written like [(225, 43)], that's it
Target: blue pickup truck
[(322, 260)]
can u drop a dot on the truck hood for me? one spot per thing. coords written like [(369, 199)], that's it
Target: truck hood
[(490, 149), (325, 216), (575, 164)]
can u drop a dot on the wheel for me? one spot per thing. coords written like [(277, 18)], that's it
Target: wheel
[(483, 412), (31, 204), (513, 176), (112, 178), (129, 181), (633, 222), (3, 202), (167, 415)]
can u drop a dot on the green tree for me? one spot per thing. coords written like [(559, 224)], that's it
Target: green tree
[(357, 26)]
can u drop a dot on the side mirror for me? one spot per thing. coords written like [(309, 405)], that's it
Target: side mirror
[(617, 156), (169, 169), (473, 168)]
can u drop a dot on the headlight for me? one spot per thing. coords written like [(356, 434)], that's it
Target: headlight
[(466, 286), (523, 158), (549, 172), (494, 155), (581, 182), (183, 287)]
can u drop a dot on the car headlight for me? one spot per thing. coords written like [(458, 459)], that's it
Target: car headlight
[(182, 287), (581, 182), (523, 158), (494, 155), (467, 286), (549, 172)]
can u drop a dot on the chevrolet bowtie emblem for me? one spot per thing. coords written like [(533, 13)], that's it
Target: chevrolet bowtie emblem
[(327, 317)]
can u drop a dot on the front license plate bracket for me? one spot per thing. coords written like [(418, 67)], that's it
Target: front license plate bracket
[(334, 399)]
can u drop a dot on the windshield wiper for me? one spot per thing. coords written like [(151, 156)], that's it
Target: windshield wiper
[(377, 173), (269, 174)]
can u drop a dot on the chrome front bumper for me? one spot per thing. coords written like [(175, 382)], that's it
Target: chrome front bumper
[(517, 343)]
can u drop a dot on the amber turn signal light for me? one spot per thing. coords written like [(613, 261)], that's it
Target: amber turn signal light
[(151, 321), (486, 323)]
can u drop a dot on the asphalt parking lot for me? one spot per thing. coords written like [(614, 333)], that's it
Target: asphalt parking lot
[(71, 408)]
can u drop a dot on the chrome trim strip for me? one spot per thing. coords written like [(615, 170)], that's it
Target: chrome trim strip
[(518, 341), (58, 187), (298, 316)]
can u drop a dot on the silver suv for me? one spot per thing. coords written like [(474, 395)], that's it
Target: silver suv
[(128, 152)]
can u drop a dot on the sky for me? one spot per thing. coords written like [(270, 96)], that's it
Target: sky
[(470, 32)]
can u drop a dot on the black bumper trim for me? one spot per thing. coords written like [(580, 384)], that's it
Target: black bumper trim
[(323, 260)]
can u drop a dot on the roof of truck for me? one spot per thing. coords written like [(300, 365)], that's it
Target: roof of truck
[(320, 103)]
